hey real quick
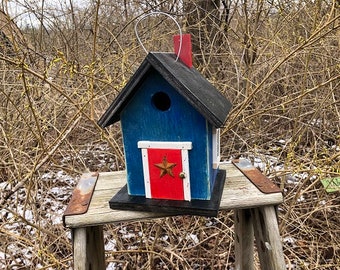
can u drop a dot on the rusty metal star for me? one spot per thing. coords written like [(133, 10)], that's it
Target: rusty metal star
[(166, 167)]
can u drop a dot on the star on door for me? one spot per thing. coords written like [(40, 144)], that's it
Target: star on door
[(165, 167)]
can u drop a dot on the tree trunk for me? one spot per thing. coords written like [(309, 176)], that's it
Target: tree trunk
[(203, 23)]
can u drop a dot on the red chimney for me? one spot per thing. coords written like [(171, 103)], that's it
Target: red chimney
[(185, 55)]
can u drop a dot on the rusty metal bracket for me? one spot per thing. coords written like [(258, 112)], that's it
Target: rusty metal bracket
[(263, 183), (81, 196)]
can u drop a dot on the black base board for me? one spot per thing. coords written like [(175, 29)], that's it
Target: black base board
[(123, 201)]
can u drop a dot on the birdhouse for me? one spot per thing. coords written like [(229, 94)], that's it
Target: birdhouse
[(170, 117)]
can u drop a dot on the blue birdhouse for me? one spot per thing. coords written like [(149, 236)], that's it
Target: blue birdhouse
[(170, 117)]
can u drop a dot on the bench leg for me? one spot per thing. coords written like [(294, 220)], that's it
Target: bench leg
[(244, 240), (88, 248), (268, 239)]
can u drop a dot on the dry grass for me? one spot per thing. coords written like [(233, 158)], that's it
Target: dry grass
[(277, 63)]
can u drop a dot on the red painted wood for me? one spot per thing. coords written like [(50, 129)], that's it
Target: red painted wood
[(185, 55), (165, 184)]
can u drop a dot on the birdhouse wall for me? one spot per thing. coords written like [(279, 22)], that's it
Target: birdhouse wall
[(157, 112)]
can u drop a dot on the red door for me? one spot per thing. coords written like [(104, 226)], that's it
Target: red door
[(166, 170)]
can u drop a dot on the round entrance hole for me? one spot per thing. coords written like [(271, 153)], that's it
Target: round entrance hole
[(161, 101)]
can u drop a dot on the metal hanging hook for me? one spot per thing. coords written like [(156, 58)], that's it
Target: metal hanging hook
[(159, 13)]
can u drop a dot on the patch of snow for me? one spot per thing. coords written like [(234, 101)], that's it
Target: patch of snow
[(111, 266), (152, 238), (192, 237), (281, 141), (68, 234), (126, 234), (291, 179), (290, 240), (2, 255), (164, 238), (315, 122), (5, 215), (47, 176), (313, 177), (301, 199), (209, 223), (322, 202), (26, 214), (111, 245), (3, 185), (55, 215)]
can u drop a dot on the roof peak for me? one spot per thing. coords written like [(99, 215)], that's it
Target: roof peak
[(188, 82)]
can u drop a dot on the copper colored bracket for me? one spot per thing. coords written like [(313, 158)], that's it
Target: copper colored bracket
[(81, 196), (263, 183)]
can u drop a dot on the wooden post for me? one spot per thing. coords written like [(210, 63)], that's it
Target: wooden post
[(88, 248), (268, 238), (244, 239)]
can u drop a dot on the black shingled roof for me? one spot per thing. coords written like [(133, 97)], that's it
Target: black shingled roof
[(197, 90)]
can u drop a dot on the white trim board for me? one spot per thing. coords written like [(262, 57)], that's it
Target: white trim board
[(165, 145)]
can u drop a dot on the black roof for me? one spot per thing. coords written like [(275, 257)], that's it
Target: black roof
[(197, 90)]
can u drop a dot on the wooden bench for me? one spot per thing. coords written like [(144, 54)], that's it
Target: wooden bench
[(254, 216)]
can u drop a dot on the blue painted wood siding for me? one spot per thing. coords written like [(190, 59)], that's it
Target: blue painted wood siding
[(141, 120)]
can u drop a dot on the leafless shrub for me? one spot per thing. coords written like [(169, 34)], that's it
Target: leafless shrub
[(277, 61)]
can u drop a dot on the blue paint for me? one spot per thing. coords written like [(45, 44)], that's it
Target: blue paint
[(142, 120)]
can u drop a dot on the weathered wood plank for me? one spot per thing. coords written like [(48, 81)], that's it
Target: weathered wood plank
[(244, 239), (88, 248), (268, 239), (238, 193)]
